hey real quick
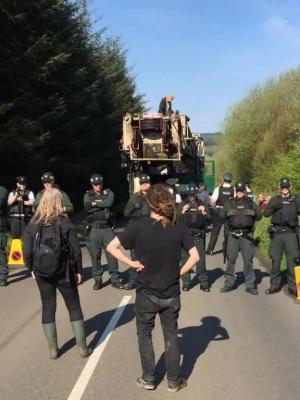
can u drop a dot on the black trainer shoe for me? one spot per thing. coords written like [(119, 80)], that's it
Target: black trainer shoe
[(3, 282), (174, 387), (129, 285), (145, 384), (205, 288), (272, 290), (186, 288), (226, 289), (117, 285), (209, 252), (252, 290), (98, 284)]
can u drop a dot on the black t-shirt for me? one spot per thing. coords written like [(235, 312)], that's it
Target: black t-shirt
[(159, 250)]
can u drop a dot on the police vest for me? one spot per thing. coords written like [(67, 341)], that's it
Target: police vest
[(287, 214), (19, 209), (241, 215), (143, 210), (225, 193), (193, 218), (96, 214)]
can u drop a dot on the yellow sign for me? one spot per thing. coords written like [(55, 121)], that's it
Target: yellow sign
[(297, 278), (16, 258)]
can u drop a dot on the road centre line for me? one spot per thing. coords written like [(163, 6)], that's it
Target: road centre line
[(93, 360)]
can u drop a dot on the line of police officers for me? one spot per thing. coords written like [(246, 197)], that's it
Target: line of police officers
[(232, 206)]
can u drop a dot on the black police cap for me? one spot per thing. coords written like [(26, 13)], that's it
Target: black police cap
[(227, 176), (285, 182), (192, 188), (48, 177), (96, 179), (21, 179), (172, 181), (240, 186), (144, 178)]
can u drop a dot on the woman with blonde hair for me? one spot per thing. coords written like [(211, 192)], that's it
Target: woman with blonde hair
[(157, 242), (52, 254)]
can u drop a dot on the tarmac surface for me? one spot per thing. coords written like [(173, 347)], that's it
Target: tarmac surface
[(234, 345)]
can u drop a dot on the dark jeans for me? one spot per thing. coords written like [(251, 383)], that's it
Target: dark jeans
[(146, 308), (70, 295)]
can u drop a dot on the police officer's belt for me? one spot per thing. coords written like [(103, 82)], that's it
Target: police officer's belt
[(98, 225), (284, 229), (241, 231), (197, 233), (17, 215)]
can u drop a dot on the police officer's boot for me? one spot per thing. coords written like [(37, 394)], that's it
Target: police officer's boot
[(79, 333), (98, 284), (51, 335), (3, 282)]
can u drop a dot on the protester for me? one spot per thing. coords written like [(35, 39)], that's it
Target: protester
[(157, 243), (52, 254)]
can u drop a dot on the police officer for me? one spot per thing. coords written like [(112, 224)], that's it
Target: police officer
[(98, 203), (195, 214), (172, 184), (219, 197), (241, 214), (20, 202), (48, 181), (3, 237), (284, 210), (137, 207)]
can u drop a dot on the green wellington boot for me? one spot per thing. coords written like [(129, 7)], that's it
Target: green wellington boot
[(79, 333), (51, 335)]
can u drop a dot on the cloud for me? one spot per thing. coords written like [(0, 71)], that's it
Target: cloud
[(281, 28)]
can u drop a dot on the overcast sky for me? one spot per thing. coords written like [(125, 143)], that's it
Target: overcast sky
[(208, 53)]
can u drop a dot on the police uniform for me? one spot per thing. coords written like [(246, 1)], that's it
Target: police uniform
[(19, 213), (98, 206), (48, 177), (3, 237), (136, 207), (222, 194), (196, 222), (240, 214), (284, 210)]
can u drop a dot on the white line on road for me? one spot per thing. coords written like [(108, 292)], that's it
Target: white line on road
[(93, 360)]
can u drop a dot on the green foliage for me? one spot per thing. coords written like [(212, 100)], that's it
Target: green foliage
[(262, 133), (63, 91)]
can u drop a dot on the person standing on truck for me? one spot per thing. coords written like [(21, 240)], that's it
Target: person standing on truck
[(137, 207), (157, 242), (165, 105), (219, 197)]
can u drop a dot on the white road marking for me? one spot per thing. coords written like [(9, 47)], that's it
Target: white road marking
[(93, 360)]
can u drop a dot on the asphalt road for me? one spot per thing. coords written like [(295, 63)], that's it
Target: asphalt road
[(234, 346)]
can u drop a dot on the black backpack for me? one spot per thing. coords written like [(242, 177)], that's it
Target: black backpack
[(50, 251)]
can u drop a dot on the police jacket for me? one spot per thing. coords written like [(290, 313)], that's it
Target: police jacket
[(193, 218), (137, 206), (3, 205), (98, 206), (18, 208), (284, 211), (225, 193), (65, 200), (241, 213)]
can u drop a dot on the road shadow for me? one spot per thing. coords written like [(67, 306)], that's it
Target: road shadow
[(194, 341), (97, 325), (214, 275), (18, 276), (259, 276)]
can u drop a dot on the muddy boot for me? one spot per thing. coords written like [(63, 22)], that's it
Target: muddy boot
[(51, 335), (79, 333)]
